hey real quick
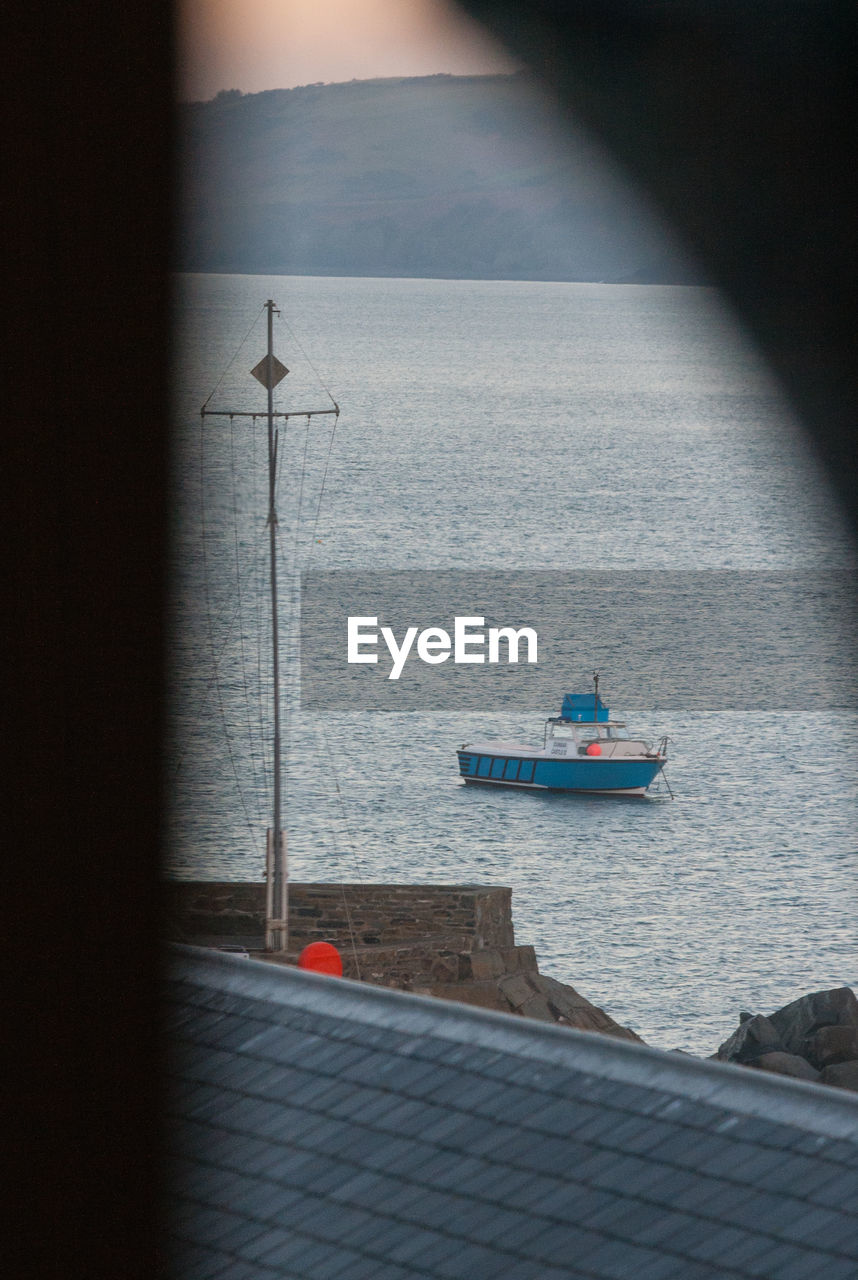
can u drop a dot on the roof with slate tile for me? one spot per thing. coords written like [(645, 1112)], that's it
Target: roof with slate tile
[(330, 1130)]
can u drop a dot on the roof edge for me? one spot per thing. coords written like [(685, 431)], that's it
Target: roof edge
[(824, 1111)]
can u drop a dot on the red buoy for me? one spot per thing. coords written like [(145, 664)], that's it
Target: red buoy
[(321, 957), (594, 749)]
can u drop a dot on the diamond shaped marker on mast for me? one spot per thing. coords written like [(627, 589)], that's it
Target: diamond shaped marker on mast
[(269, 372)]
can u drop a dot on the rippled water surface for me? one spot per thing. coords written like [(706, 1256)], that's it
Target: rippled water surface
[(514, 426)]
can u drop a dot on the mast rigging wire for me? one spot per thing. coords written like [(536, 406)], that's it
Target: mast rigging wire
[(211, 627)]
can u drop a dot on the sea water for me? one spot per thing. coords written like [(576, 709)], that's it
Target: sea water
[(507, 427)]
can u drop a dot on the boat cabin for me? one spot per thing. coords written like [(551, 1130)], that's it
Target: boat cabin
[(584, 728)]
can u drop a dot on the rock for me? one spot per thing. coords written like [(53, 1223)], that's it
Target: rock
[(571, 1008), (492, 962), (798, 1022), (785, 1064), (755, 1036), (844, 1075), (832, 1045), (535, 995)]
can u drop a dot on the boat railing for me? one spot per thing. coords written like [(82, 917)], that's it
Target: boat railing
[(621, 747)]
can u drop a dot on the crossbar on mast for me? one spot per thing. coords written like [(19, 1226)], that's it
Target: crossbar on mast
[(262, 413)]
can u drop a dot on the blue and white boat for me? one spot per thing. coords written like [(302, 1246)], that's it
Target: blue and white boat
[(583, 749)]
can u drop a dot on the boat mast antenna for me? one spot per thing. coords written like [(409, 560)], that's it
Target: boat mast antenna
[(596, 697), (269, 372)]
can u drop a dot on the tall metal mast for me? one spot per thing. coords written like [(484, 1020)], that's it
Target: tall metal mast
[(276, 928), (270, 371)]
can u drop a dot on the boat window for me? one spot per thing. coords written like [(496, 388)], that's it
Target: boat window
[(562, 731), (590, 732)]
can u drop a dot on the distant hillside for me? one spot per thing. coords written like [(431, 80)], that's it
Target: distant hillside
[(442, 176)]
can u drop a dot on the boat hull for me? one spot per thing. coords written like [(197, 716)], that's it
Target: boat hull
[(629, 777)]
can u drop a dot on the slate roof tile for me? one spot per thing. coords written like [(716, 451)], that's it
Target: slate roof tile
[(371, 1147), (441, 1125), (342, 1224), (842, 1152), (232, 1033), (473, 1134), (235, 1239), (631, 1174), (816, 1144), (562, 1116), (471, 1260), (815, 1224), (618, 1259), (445, 1169), (417, 1244), (267, 1241), (375, 1068), (575, 1202), (665, 1225), (755, 1129), (362, 1187), (620, 1216), (630, 1132), (524, 1270), (353, 1102), (710, 1199), (438, 1082), (710, 1242), (759, 1211), (537, 1187), (442, 1250), (408, 1116), (841, 1236), (461, 1091), (304, 1256), (518, 1232), (380, 1235), (772, 1261), (839, 1189), (238, 1269), (360, 1267), (665, 1267), (809, 1267), (322, 1176), (316, 1092), (743, 1163), (512, 1102), (602, 1127), (562, 1244), (694, 1237), (388, 1271)]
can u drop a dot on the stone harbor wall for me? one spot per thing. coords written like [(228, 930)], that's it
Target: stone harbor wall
[(347, 915), (813, 1038), (455, 942), (386, 914)]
